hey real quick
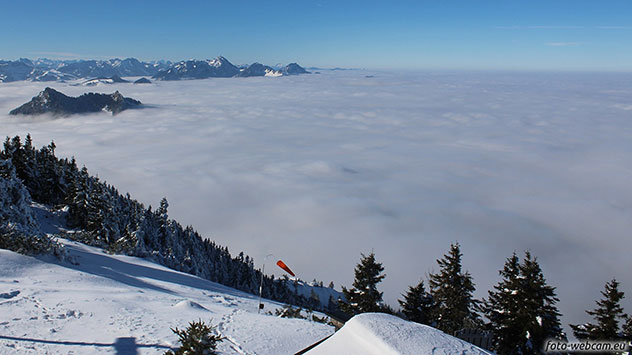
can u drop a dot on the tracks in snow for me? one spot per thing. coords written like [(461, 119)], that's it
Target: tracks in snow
[(222, 326)]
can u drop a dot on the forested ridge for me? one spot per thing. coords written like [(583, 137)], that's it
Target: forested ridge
[(103, 217)]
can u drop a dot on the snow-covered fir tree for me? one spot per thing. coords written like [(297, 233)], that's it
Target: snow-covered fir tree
[(15, 209), (452, 290), (521, 308), (19, 230), (364, 296), (418, 304), (607, 316)]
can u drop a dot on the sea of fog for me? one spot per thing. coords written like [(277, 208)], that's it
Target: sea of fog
[(317, 169)]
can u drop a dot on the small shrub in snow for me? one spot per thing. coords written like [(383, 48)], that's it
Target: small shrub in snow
[(289, 312), (324, 320), (197, 339)]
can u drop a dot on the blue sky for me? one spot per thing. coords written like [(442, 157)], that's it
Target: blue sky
[(441, 34)]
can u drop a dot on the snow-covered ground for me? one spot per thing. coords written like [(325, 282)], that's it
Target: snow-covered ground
[(384, 334), (316, 169), (101, 303)]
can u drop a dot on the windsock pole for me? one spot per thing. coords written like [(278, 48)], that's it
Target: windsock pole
[(263, 269), (261, 289)]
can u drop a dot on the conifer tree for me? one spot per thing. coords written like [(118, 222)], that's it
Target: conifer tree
[(607, 314), (417, 304), (364, 296), (538, 303), (502, 308), (332, 304), (314, 300), (78, 207), (197, 338), (452, 291), (521, 308), (627, 329), (163, 220)]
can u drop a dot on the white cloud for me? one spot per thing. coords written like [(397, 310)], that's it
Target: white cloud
[(319, 168)]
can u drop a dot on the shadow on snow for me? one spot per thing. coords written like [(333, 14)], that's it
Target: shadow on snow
[(122, 346)]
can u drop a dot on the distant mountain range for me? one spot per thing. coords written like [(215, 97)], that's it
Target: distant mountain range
[(52, 101), (63, 70), (101, 71), (220, 67)]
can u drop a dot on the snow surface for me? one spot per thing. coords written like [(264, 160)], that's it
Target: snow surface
[(99, 302), (319, 168), (384, 334)]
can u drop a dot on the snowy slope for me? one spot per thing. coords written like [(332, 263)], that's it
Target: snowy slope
[(383, 334), (99, 302)]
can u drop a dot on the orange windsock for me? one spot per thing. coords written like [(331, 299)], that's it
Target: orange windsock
[(282, 265)]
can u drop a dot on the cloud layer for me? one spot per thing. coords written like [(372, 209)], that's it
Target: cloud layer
[(317, 169)]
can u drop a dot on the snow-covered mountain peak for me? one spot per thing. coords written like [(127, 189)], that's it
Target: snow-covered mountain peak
[(219, 61)]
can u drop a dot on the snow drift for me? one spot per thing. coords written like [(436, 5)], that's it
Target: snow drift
[(384, 334)]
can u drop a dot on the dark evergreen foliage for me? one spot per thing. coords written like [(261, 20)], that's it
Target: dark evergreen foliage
[(26, 244), (364, 296), (197, 339), (418, 304), (452, 291), (121, 224), (540, 298), (502, 308), (627, 329), (521, 309), (607, 314)]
